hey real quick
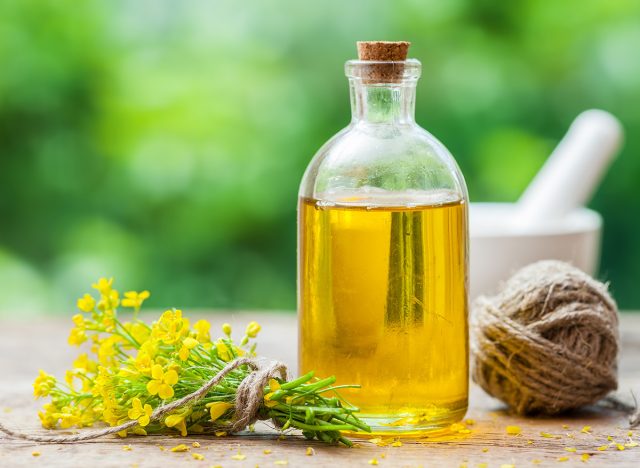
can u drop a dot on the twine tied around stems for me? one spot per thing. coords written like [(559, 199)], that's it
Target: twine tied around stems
[(249, 397)]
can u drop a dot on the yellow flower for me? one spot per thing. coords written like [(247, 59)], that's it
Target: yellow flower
[(226, 329), (150, 347), (223, 351), (46, 417), (268, 402), (85, 364), (134, 299), (138, 331), (86, 303), (513, 430), (103, 286), (177, 421), (110, 301), (68, 417), (187, 345), (143, 362), (274, 385), (202, 328), (78, 335), (171, 326), (162, 382), (218, 408), (43, 384), (252, 329), (107, 350), (142, 414)]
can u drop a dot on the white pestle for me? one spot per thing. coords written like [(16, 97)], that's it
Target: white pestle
[(572, 172)]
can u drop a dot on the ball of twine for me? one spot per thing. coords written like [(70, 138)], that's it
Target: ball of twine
[(548, 342)]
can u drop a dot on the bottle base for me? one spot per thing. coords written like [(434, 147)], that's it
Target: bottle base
[(414, 424)]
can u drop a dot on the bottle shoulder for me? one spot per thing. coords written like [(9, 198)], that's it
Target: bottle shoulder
[(389, 157)]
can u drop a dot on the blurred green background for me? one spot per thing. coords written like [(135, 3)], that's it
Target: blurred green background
[(162, 142)]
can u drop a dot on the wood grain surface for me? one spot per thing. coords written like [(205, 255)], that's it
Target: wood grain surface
[(27, 345)]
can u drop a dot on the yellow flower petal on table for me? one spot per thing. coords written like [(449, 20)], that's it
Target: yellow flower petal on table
[(281, 462), (35, 454), (220, 433), (373, 461), (397, 443), (584, 457), (620, 447), (513, 430), (379, 442), (238, 456), (470, 422), (309, 452), (180, 448), (197, 456), (586, 430), (602, 448), (563, 459), (631, 443), (218, 408), (267, 451), (571, 449), (546, 435), (196, 445)]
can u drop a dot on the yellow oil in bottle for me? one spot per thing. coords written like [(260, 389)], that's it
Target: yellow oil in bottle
[(383, 303)]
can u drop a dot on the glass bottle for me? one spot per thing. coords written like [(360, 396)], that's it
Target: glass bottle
[(382, 260)]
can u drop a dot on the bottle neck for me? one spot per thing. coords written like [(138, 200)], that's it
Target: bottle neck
[(389, 103)]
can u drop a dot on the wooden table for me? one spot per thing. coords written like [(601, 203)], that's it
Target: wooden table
[(29, 345)]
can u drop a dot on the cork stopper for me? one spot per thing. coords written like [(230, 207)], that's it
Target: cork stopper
[(383, 51)]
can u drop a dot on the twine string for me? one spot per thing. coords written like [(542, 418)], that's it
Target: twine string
[(249, 397), (548, 342)]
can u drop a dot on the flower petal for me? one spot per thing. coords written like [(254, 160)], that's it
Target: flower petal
[(170, 377)]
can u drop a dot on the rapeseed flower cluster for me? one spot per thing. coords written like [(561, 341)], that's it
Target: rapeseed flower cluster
[(131, 368)]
